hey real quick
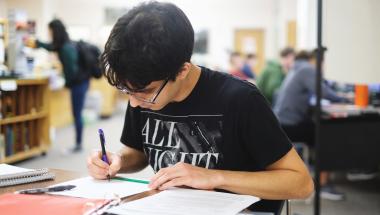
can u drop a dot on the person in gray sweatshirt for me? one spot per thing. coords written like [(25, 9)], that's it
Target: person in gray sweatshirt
[(293, 99), (292, 108)]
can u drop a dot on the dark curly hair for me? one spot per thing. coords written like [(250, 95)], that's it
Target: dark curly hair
[(149, 43)]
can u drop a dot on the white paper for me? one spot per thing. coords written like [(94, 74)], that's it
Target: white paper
[(187, 201), (91, 188), (6, 169)]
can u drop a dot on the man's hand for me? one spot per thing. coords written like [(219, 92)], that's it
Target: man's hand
[(99, 169), (182, 174)]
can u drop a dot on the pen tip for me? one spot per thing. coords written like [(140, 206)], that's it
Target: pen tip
[(100, 131)]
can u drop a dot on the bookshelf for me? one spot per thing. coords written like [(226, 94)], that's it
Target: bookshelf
[(24, 123)]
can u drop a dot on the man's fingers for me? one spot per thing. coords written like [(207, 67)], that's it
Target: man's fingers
[(157, 175), (96, 159), (113, 158), (167, 175), (99, 171), (97, 176), (164, 171), (159, 181), (115, 165), (176, 182), (110, 155)]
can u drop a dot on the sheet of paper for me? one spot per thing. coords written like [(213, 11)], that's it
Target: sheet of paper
[(187, 201), (6, 169), (91, 188)]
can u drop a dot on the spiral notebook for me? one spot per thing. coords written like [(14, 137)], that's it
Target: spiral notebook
[(12, 175)]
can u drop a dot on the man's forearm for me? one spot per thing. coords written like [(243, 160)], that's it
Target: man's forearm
[(132, 160), (273, 184)]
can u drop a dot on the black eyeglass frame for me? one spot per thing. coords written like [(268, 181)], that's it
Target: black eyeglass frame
[(149, 101)]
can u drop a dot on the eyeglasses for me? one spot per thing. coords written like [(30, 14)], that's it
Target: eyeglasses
[(149, 101)]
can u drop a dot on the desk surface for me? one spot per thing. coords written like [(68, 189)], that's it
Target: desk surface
[(60, 176), (65, 175), (346, 110)]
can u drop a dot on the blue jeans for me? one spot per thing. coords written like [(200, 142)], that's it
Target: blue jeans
[(78, 95)]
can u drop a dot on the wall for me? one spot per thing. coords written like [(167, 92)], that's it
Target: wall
[(287, 11), (211, 16), (223, 17), (306, 24), (3, 8), (220, 18), (352, 36), (38, 10)]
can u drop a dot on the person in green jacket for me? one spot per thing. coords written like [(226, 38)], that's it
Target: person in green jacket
[(274, 73), (75, 80)]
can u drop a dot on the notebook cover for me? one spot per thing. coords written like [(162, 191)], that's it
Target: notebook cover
[(16, 204), (27, 176)]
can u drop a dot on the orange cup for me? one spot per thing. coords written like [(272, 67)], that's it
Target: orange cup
[(361, 95)]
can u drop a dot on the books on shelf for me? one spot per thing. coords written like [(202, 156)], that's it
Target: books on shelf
[(2, 147), (18, 137), (20, 102), (9, 137), (24, 124)]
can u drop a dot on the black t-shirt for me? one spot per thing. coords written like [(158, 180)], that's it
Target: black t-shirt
[(225, 123)]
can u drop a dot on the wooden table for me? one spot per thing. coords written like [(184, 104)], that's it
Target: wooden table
[(65, 175)]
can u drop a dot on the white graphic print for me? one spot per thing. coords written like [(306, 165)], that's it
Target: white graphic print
[(190, 139)]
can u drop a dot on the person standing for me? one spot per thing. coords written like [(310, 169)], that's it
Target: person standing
[(75, 81)]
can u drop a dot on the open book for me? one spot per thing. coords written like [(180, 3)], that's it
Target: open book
[(12, 175)]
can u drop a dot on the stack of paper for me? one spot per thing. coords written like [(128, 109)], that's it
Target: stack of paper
[(187, 201), (91, 188)]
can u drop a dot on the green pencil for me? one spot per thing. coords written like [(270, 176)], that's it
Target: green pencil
[(131, 180)]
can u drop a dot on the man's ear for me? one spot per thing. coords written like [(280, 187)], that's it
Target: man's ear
[(184, 71)]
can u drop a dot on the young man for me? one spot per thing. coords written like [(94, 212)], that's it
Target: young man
[(195, 127)]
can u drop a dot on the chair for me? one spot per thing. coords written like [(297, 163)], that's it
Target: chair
[(272, 206)]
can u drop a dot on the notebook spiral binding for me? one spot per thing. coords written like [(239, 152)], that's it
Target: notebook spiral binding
[(26, 177)]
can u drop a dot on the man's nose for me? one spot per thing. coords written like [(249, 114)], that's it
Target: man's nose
[(134, 102)]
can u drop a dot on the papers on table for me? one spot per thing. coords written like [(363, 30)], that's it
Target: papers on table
[(6, 169), (187, 201), (91, 188)]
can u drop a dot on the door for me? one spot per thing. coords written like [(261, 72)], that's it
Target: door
[(251, 41)]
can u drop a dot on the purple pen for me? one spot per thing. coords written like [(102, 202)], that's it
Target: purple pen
[(102, 143)]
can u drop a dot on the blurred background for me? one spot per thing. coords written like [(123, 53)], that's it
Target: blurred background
[(261, 41)]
